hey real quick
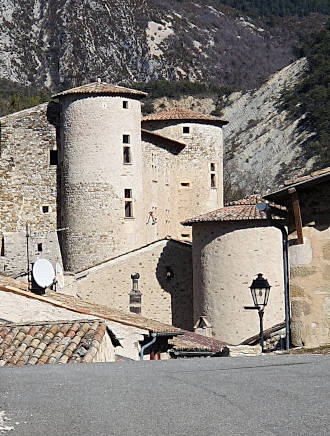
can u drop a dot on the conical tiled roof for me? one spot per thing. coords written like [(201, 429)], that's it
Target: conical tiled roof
[(101, 88), (182, 114)]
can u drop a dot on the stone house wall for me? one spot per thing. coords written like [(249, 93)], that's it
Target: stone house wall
[(41, 246), (227, 256), (164, 299), (28, 182), (310, 270)]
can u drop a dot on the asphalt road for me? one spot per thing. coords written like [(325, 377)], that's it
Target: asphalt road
[(269, 395)]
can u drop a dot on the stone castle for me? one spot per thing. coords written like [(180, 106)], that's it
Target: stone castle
[(89, 182)]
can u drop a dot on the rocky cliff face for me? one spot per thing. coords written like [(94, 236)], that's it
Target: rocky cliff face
[(263, 144), (62, 43)]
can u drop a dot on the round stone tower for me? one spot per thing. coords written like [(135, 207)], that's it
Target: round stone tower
[(231, 246), (100, 166), (199, 166)]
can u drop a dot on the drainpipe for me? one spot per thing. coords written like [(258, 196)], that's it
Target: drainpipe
[(286, 275), (154, 337), (286, 284)]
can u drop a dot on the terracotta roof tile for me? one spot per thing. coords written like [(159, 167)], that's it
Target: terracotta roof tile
[(101, 88), (240, 210), (299, 183), (310, 176), (194, 342), (188, 340), (49, 342), (182, 114)]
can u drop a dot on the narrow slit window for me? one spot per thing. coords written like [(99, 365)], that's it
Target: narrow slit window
[(45, 209), (2, 248), (39, 247), (126, 139), (127, 155), (213, 182), (128, 209), (128, 193), (186, 184), (125, 104), (212, 166), (53, 157), (185, 235), (186, 130)]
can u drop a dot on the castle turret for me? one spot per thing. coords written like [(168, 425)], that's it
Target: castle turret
[(100, 161), (198, 184)]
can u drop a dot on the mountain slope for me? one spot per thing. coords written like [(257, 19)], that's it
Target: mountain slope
[(263, 145), (62, 43)]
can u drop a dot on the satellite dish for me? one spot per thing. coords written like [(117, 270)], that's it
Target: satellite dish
[(43, 273), (59, 275), (262, 207)]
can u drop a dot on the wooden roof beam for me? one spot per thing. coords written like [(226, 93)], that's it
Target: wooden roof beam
[(297, 214)]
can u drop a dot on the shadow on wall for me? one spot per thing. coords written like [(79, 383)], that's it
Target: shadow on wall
[(54, 118), (174, 275)]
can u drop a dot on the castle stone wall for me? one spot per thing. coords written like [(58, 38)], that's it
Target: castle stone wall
[(192, 193), (94, 177), (165, 299), (28, 182)]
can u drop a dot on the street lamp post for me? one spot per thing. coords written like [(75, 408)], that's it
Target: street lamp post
[(260, 290)]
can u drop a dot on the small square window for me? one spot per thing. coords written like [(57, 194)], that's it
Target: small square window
[(127, 159), (126, 139), (212, 166), (128, 209), (128, 193), (125, 104), (185, 129), (53, 157), (213, 184), (45, 209), (39, 247)]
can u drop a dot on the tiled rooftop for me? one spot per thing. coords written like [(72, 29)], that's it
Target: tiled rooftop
[(189, 340), (194, 342), (40, 343), (311, 176), (300, 183), (101, 88), (180, 113), (240, 210)]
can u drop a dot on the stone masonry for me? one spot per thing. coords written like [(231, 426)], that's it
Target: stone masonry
[(28, 187)]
